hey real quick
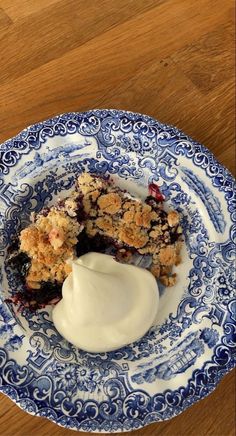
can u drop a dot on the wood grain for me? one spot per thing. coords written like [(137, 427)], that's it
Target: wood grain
[(171, 59)]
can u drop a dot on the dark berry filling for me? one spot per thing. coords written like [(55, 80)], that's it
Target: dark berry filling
[(174, 235), (98, 243), (33, 299), (80, 212), (20, 263), (18, 260)]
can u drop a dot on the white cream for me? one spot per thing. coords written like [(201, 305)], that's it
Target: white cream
[(105, 304)]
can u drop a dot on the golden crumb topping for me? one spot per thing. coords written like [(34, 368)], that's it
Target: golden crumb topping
[(109, 203), (133, 236), (49, 242), (108, 211)]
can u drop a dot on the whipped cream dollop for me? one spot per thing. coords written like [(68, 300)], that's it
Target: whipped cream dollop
[(105, 304)]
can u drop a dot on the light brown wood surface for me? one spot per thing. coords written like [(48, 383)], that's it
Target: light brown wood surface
[(171, 59)]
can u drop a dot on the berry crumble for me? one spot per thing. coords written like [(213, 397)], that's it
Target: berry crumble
[(97, 216)]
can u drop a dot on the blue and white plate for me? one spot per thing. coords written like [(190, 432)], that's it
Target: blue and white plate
[(182, 358)]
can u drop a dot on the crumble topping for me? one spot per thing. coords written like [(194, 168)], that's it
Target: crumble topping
[(143, 226), (49, 242), (100, 211)]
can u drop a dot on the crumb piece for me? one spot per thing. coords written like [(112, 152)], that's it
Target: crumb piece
[(33, 285), (70, 207), (56, 237), (123, 255), (129, 205), (150, 248), (133, 236), (28, 239), (155, 270), (165, 270), (128, 216), (173, 218), (91, 230), (167, 255), (94, 195), (144, 216), (105, 224), (87, 205), (157, 231), (88, 183), (165, 227), (168, 280), (110, 203)]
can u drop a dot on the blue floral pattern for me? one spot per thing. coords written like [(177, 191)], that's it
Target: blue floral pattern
[(47, 376)]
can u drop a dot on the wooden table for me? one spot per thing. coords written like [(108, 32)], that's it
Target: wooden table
[(171, 59)]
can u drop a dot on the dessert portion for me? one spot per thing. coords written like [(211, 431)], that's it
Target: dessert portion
[(105, 304), (98, 216)]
